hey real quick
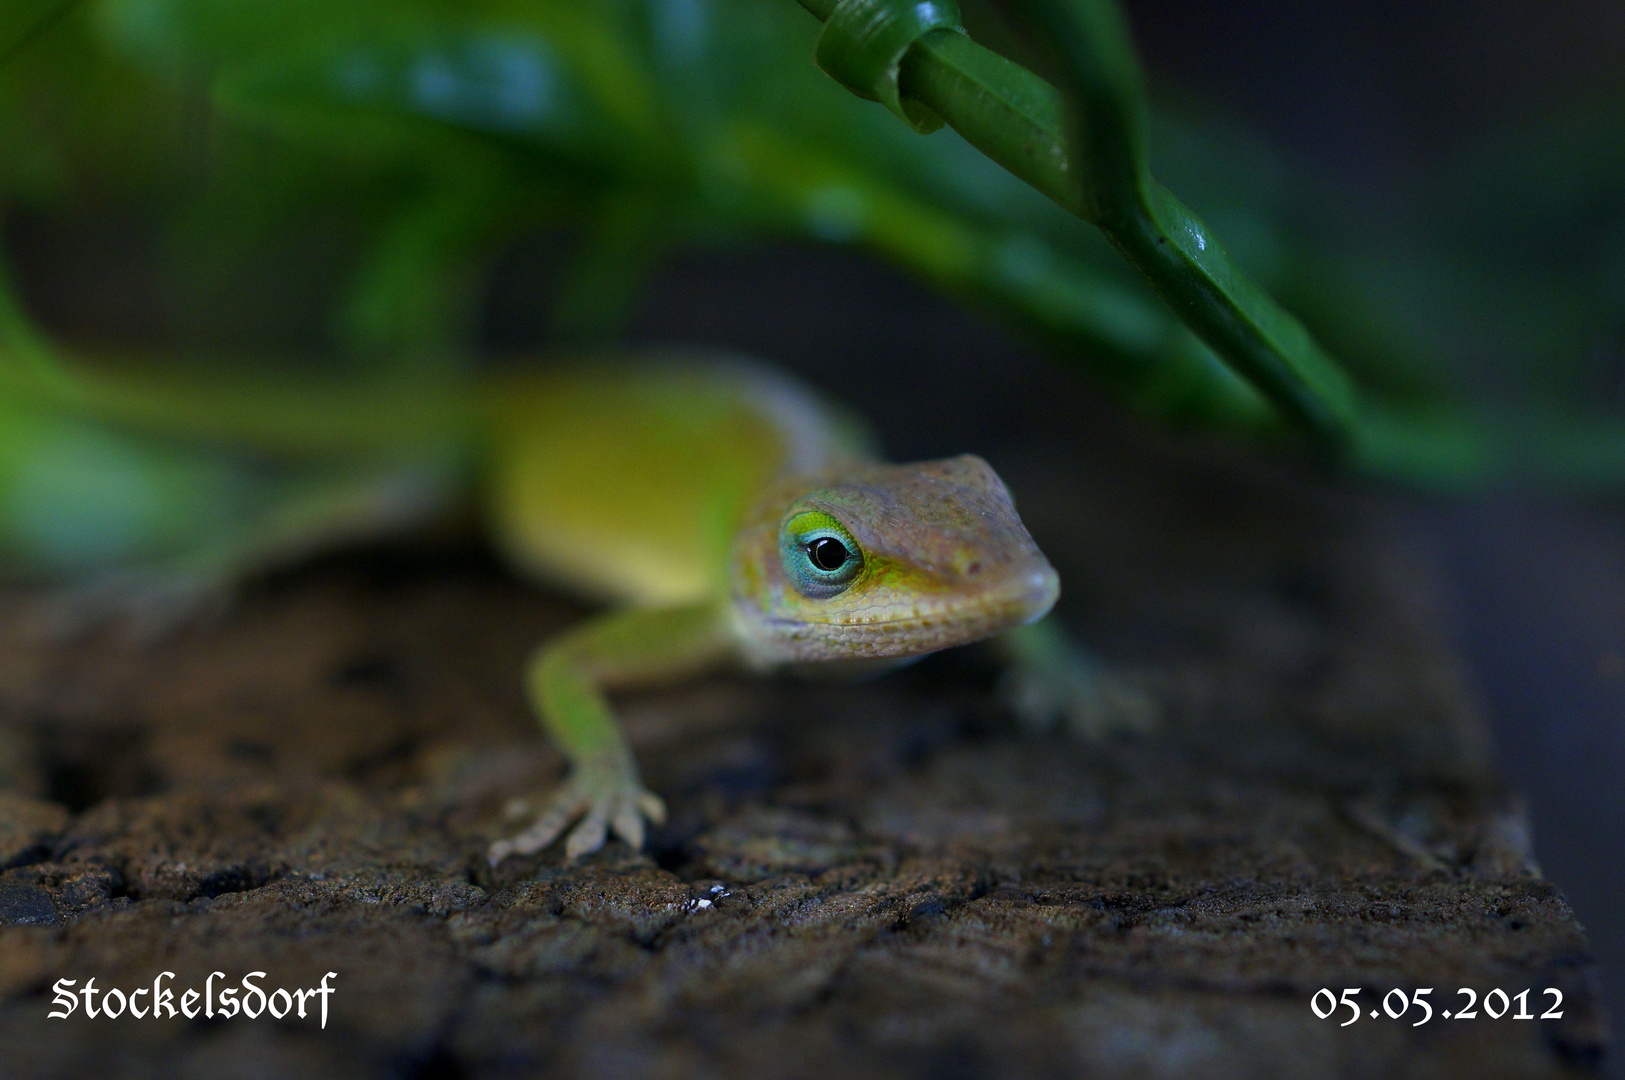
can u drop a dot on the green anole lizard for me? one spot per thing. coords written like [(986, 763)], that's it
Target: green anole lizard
[(732, 517), (726, 514)]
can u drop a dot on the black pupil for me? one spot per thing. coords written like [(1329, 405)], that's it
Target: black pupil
[(828, 554)]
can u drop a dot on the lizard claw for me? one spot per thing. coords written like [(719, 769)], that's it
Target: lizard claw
[(1092, 701), (603, 807)]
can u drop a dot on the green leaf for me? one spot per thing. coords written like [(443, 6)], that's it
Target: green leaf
[(20, 20), (500, 82)]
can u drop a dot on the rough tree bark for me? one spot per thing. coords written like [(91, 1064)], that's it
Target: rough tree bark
[(881, 880)]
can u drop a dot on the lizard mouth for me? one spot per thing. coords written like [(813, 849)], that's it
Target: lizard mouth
[(926, 627)]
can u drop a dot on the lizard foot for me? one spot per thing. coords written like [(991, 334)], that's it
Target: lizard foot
[(603, 806), (1092, 701)]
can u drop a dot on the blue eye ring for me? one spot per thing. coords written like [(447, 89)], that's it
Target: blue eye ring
[(820, 557)]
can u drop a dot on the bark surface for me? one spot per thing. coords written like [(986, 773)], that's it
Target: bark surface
[(878, 880)]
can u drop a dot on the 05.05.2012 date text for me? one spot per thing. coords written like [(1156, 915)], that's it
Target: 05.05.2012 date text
[(1397, 1003)]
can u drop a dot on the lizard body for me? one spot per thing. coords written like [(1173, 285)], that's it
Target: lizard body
[(734, 518), (726, 514)]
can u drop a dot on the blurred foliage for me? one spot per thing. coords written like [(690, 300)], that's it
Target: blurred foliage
[(1087, 149), (414, 139)]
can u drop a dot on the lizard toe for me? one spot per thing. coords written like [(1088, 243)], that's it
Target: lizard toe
[(652, 807), (588, 836), (619, 809), (1092, 702), (562, 808), (627, 823), (1117, 704)]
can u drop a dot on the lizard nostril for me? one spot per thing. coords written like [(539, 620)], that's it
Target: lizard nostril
[(973, 569)]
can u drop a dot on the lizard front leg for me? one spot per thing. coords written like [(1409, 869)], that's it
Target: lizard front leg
[(1048, 678), (567, 680)]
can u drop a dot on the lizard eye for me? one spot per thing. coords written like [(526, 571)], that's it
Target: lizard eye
[(820, 557), (828, 554)]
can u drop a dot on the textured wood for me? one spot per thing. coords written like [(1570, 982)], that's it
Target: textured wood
[(882, 880)]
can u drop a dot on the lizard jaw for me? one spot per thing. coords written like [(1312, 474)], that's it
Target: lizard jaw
[(922, 627)]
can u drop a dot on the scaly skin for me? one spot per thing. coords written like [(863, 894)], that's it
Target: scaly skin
[(694, 497), (725, 514)]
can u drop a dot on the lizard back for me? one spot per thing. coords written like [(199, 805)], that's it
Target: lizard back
[(628, 483)]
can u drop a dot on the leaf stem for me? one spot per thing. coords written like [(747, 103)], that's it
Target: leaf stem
[(1092, 161)]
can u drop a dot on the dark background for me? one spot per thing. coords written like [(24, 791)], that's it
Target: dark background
[(1369, 93)]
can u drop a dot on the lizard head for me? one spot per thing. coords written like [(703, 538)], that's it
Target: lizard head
[(886, 561)]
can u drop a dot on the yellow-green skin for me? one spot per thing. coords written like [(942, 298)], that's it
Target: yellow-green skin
[(682, 494), (676, 493)]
